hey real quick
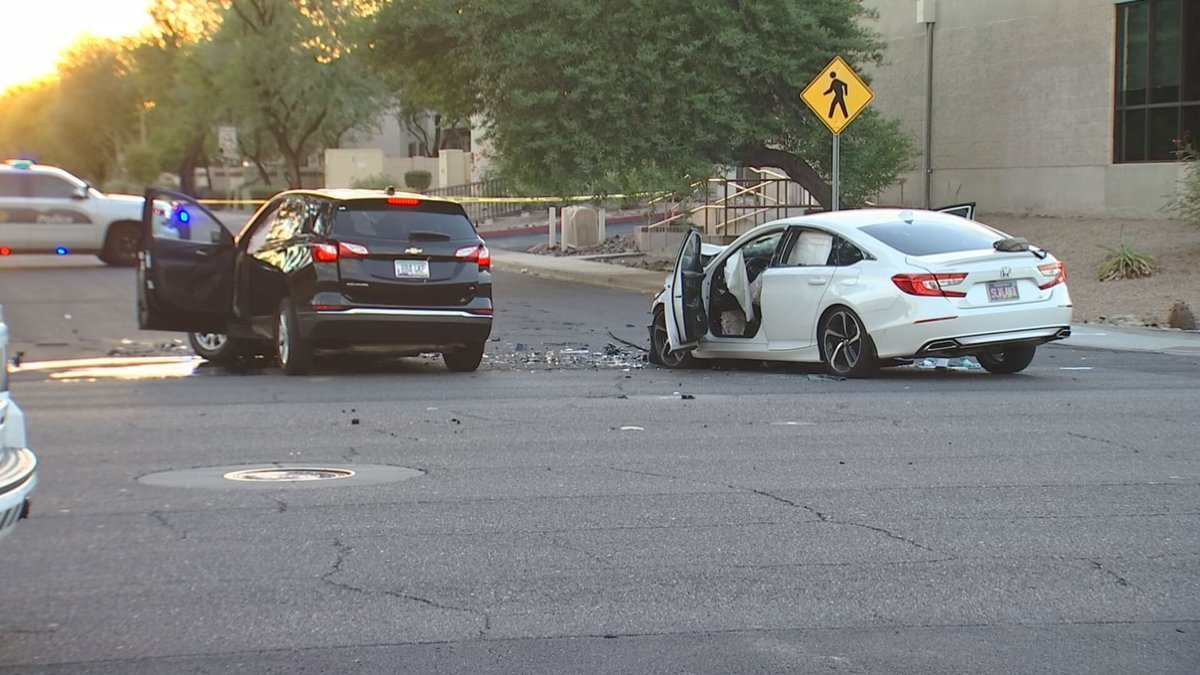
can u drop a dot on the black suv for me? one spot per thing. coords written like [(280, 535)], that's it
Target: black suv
[(317, 270)]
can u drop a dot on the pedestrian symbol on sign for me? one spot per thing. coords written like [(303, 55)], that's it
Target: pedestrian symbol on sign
[(838, 89)]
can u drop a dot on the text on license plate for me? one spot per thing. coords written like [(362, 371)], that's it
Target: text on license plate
[(412, 269), (999, 291)]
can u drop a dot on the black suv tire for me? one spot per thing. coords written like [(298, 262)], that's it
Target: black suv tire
[(294, 352)]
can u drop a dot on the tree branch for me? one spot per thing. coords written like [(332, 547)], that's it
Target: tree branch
[(796, 169)]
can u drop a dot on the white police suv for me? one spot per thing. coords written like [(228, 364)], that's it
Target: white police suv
[(18, 465), (44, 209)]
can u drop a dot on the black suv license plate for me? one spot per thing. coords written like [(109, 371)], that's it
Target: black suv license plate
[(412, 269)]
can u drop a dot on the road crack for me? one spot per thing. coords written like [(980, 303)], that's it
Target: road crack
[(343, 551), (161, 517), (1121, 581), (583, 551), (1106, 441), (822, 517)]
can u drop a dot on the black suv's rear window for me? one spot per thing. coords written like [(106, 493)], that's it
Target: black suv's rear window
[(430, 221), (932, 238)]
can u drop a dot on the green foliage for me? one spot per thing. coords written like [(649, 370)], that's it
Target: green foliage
[(23, 131), (82, 120), (286, 69), (1123, 262), (418, 180), (378, 181), (141, 164), (1186, 201), (123, 186), (595, 97)]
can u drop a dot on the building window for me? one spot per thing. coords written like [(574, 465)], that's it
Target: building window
[(1158, 79)]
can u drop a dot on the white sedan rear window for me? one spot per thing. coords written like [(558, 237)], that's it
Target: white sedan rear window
[(931, 238)]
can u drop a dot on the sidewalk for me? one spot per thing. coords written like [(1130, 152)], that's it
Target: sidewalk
[(567, 268)]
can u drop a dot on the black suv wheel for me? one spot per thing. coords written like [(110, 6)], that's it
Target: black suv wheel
[(295, 353)]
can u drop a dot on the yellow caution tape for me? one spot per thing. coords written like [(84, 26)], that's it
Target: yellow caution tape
[(469, 200)]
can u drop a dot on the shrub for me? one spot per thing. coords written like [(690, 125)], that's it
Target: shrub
[(263, 192), (1122, 262), (141, 164), (377, 181), (1186, 201), (418, 180), (121, 186)]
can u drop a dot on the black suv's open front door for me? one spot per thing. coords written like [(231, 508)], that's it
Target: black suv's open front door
[(185, 266)]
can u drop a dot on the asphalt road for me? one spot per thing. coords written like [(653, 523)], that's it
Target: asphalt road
[(579, 513)]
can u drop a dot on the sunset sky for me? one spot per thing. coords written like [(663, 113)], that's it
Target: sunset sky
[(34, 32)]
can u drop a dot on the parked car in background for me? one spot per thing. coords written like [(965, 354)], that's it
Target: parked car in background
[(318, 271), (861, 289), (18, 464), (44, 209)]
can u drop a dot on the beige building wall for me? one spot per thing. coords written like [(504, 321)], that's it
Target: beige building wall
[(1023, 95), (343, 166)]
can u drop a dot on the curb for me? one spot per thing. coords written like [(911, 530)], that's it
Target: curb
[(579, 271)]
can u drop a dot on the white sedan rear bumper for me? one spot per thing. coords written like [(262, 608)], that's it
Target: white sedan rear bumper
[(937, 328)]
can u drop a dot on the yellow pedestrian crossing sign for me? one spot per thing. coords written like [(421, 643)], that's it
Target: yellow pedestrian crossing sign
[(837, 95)]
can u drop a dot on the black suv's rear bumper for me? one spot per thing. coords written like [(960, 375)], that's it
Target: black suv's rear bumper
[(403, 328)]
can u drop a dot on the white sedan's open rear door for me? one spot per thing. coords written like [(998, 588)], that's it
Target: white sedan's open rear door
[(966, 210), (686, 319)]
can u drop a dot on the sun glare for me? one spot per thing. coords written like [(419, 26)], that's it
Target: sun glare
[(34, 33)]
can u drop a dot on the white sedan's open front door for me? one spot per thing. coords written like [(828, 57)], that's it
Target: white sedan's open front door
[(686, 319)]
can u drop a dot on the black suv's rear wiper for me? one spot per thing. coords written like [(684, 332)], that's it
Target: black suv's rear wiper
[(422, 235)]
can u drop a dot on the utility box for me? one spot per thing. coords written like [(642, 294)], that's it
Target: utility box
[(580, 227)]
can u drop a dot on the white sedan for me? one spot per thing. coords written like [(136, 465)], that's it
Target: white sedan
[(861, 289), (18, 464)]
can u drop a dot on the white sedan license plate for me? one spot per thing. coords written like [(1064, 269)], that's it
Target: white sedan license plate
[(1000, 291), (412, 269)]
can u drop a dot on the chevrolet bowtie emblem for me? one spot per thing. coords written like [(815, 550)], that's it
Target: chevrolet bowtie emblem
[(414, 251)]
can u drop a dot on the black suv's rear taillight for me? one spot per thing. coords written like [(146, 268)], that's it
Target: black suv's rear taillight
[(330, 251), (477, 253)]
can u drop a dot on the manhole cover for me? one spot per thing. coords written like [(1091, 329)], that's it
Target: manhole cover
[(281, 476), (288, 475)]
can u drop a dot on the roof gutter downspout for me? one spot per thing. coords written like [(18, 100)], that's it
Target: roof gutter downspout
[(926, 13)]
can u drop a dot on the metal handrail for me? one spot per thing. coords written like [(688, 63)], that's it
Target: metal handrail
[(757, 189)]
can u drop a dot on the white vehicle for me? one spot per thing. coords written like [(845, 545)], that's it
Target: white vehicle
[(861, 289), (44, 209), (18, 465)]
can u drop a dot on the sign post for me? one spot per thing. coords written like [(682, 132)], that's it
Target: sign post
[(837, 95), (228, 143)]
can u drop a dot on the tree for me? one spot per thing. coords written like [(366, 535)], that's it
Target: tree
[(285, 67), (178, 102), (93, 117), (24, 111), (582, 97)]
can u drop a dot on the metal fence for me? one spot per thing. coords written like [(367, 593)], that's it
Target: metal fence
[(474, 198), (723, 208)]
